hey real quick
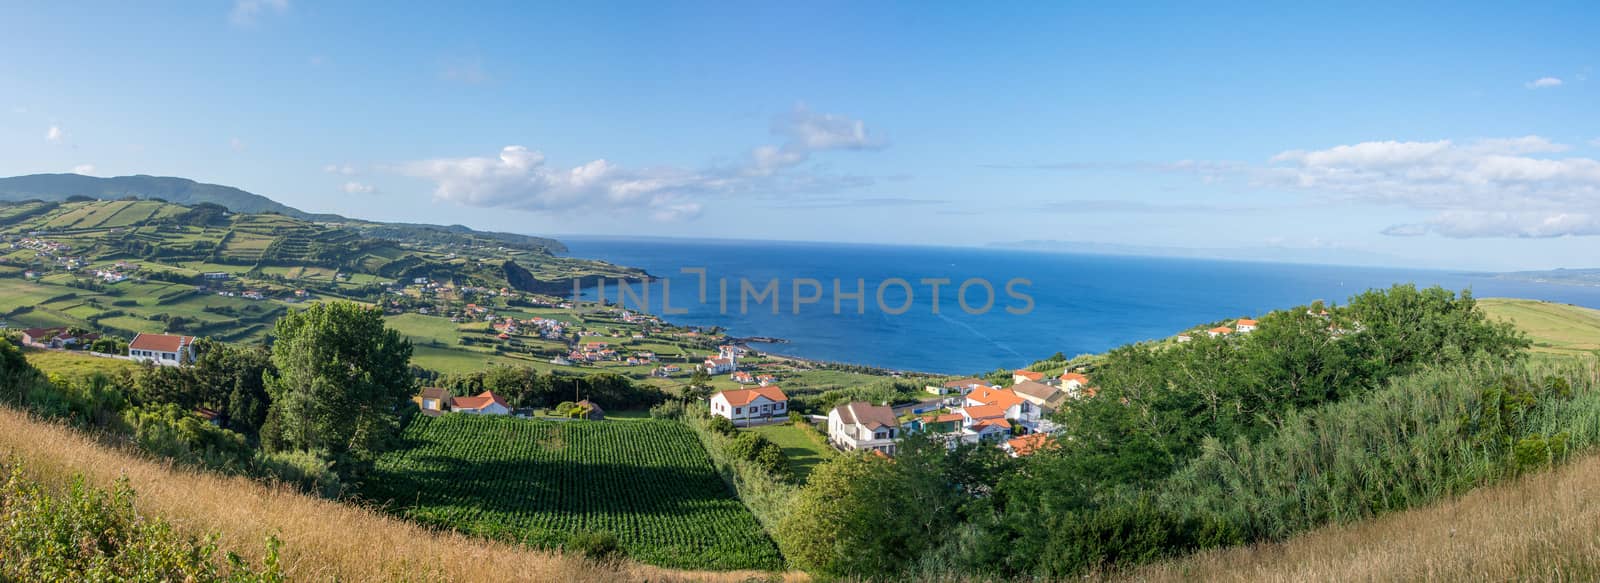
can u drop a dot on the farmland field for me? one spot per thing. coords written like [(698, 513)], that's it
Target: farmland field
[(647, 482), (1554, 328), (803, 451)]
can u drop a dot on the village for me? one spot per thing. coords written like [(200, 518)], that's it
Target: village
[(1014, 416)]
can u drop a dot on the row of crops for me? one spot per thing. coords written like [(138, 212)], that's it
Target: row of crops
[(647, 482)]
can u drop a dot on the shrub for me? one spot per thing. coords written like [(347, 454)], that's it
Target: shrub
[(594, 545), (668, 410), (87, 534), (722, 425), (306, 470)]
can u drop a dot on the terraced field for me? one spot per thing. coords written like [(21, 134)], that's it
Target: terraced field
[(647, 482)]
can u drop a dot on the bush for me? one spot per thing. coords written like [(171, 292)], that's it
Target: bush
[(87, 534), (306, 470), (668, 410), (722, 426), (594, 545)]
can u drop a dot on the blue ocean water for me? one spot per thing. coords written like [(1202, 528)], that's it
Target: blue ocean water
[(1081, 303)]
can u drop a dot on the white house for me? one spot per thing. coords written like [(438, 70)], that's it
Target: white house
[(720, 365), (1071, 381), (1219, 331), (486, 403), (1048, 399), (988, 413), (1245, 325), (753, 404), (863, 426), (958, 386), (162, 349)]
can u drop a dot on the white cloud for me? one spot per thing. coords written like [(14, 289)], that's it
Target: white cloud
[(1595, 142), (808, 132), (521, 178), (341, 169), (84, 169), (246, 11), (353, 187), (55, 134), (1543, 83), (1484, 188), (237, 144)]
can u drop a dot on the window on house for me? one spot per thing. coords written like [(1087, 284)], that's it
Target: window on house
[(738, 410)]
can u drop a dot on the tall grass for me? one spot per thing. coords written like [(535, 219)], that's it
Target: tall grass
[(322, 540), (1426, 436), (1540, 526)]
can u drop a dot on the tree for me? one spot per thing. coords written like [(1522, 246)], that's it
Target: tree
[(699, 385), (865, 517), (341, 380)]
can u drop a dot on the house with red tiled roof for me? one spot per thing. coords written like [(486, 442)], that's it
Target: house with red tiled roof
[(944, 423), (742, 377), (861, 426), (719, 365), (485, 403), (1028, 444), (163, 349), (755, 404), (1020, 375), (1245, 325), (1219, 331), (1076, 385), (986, 409)]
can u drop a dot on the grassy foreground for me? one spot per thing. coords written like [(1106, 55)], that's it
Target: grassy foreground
[(1541, 527), (322, 540)]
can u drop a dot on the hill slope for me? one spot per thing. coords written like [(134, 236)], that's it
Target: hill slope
[(322, 540), (60, 187), (1554, 328)]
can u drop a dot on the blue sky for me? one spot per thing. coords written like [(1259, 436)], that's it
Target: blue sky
[(1451, 134)]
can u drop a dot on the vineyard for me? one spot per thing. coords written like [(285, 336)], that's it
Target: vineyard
[(646, 482)]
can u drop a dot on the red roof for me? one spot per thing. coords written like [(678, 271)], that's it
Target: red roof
[(1028, 374), (1003, 398), (1074, 377), (1221, 330), (160, 342), (1246, 322), (1030, 443), (985, 412), (988, 423), (483, 399), (741, 397)]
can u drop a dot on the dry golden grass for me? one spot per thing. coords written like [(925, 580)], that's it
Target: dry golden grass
[(322, 540), (1541, 527)]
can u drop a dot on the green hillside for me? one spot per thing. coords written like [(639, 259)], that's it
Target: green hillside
[(1554, 328), (129, 266), (182, 191)]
